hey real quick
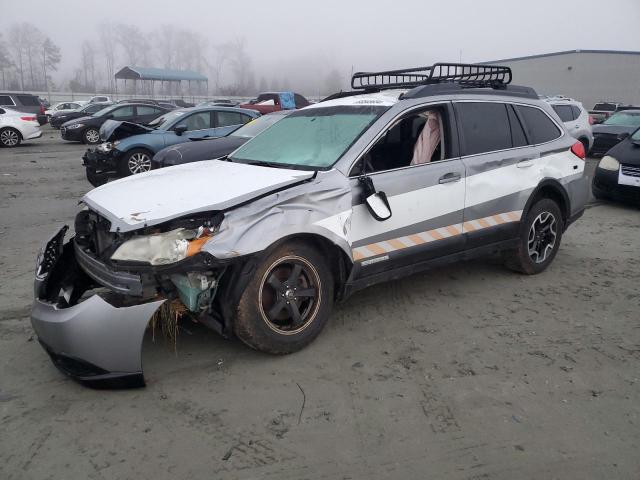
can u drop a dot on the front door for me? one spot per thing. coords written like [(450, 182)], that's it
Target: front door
[(416, 164)]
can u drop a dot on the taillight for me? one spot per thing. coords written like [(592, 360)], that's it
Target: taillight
[(28, 119), (591, 121), (578, 150), (42, 110)]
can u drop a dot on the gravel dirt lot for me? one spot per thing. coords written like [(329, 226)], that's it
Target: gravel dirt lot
[(466, 372)]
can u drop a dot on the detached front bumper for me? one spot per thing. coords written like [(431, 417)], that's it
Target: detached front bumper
[(91, 339), (100, 166)]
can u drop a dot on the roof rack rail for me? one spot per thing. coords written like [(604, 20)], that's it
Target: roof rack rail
[(464, 74)]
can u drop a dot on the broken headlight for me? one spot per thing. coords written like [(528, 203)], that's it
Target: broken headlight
[(163, 248), (107, 146)]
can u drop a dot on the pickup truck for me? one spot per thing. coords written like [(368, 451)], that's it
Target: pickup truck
[(273, 101), (603, 110)]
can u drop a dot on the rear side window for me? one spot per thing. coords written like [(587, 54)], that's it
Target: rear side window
[(576, 112), (565, 112), (484, 127), (6, 100), (226, 119), (29, 100), (539, 127), (145, 110)]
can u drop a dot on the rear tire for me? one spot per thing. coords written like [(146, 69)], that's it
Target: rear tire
[(135, 161), (91, 136), (540, 236), (287, 302), (10, 137)]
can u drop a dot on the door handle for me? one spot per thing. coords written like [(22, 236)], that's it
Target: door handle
[(450, 177)]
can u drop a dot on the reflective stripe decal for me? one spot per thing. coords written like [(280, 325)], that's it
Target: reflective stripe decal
[(413, 240)]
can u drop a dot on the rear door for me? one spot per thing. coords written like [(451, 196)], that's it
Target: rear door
[(423, 177), (498, 162)]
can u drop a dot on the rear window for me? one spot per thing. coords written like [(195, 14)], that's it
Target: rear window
[(29, 100), (6, 100), (605, 107), (564, 112), (539, 127), (484, 127)]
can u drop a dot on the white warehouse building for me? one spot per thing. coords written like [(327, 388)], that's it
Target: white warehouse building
[(590, 76)]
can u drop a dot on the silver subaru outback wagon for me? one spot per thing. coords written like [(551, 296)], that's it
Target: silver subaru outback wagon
[(411, 168)]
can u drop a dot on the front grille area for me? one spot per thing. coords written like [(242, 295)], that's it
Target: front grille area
[(92, 233), (630, 170)]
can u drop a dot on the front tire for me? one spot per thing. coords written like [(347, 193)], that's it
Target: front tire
[(91, 136), (540, 236), (288, 301), (135, 161), (10, 137)]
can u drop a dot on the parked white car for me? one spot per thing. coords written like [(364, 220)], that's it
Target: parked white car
[(62, 107), (17, 126), (100, 99), (575, 117)]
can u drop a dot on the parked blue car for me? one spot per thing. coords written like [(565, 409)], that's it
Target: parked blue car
[(128, 147)]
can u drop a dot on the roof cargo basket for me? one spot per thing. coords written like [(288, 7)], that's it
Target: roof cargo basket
[(463, 74)]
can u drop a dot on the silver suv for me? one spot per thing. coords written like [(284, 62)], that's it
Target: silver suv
[(411, 169), (576, 119)]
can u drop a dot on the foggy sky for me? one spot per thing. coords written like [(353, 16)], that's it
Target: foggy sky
[(365, 35)]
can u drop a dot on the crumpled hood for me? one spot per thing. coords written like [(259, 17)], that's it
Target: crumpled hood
[(113, 130), (160, 195)]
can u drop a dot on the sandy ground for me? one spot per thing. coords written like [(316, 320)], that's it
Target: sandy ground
[(467, 372)]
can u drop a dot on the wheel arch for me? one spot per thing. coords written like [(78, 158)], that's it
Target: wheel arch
[(552, 189), (238, 276), (11, 127)]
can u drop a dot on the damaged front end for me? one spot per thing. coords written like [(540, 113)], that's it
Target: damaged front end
[(96, 294)]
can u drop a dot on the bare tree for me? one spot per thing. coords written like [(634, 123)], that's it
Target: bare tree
[(17, 34), (5, 61), (108, 45), (89, 64), (50, 59)]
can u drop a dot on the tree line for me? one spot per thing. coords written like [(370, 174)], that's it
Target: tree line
[(29, 58)]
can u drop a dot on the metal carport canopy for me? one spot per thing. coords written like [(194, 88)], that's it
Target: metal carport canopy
[(161, 74)]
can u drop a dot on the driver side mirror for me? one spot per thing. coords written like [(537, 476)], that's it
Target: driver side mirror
[(376, 202), (378, 206), (180, 129)]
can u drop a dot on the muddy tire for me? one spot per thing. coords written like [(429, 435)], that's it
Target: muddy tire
[(540, 236), (288, 301), (135, 161)]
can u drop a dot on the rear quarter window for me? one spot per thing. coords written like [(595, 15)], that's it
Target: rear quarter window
[(29, 100), (539, 127), (564, 112), (6, 100)]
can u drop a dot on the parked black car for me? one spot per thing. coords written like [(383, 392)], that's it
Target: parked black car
[(24, 102), (613, 130), (58, 118), (87, 129), (617, 175), (207, 149)]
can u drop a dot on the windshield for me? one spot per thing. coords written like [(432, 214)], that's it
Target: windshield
[(164, 122), (254, 127), (636, 136), (309, 139), (624, 119)]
